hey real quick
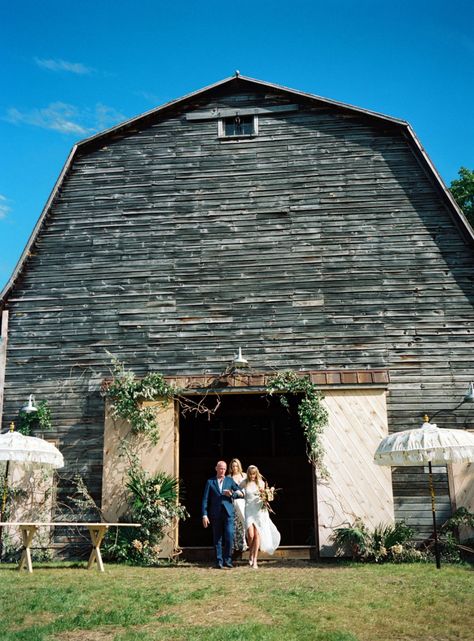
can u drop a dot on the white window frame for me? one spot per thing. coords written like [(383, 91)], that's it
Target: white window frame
[(221, 128)]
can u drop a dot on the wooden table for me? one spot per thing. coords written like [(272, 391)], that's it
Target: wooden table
[(97, 532)]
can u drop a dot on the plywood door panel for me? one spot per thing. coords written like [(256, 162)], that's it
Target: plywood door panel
[(356, 487), (153, 458), (461, 486)]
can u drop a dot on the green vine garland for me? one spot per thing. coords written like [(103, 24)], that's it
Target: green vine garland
[(126, 394), (311, 412), (39, 420)]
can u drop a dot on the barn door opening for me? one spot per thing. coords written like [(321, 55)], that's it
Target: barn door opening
[(258, 430)]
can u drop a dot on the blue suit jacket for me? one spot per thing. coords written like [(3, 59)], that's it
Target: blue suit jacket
[(213, 500)]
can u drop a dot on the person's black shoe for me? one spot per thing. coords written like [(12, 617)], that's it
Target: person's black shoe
[(228, 565), (218, 567)]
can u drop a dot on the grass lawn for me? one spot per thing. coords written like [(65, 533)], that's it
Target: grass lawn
[(289, 601)]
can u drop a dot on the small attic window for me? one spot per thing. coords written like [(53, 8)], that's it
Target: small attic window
[(237, 126)]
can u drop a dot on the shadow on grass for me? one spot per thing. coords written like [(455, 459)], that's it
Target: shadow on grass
[(336, 564)]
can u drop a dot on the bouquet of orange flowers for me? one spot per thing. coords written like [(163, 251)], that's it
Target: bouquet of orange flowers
[(267, 494)]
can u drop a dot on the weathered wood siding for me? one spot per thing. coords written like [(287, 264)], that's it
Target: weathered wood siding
[(321, 243), (3, 356)]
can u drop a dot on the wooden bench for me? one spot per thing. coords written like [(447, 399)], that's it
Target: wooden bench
[(97, 532)]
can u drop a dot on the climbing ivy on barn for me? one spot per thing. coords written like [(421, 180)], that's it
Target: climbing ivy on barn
[(28, 422), (311, 412), (127, 393)]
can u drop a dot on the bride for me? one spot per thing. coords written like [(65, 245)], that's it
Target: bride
[(261, 532)]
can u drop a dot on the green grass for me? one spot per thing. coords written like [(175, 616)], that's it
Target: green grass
[(285, 601)]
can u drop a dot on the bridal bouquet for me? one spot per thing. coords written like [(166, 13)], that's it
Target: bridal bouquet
[(267, 494)]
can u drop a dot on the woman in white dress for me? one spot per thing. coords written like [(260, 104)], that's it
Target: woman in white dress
[(261, 531), (235, 471)]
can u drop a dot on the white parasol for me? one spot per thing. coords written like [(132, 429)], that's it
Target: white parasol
[(29, 449), (426, 445), (25, 449)]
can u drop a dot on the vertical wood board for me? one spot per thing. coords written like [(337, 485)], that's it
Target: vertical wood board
[(461, 487), (356, 486), (153, 458)]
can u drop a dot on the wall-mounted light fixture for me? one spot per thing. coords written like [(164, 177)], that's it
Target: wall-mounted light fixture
[(239, 361), (30, 406), (468, 398)]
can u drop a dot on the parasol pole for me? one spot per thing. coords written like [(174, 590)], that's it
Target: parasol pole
[(433, 511), (433, 507)]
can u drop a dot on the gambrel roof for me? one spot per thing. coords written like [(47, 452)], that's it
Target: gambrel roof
[(237, 83)]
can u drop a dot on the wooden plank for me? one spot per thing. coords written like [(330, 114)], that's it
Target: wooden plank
[(212, 114), (153, 458), (3, 358), (461, 486)]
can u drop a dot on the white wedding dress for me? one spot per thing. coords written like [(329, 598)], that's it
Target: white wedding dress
[(256, 514)]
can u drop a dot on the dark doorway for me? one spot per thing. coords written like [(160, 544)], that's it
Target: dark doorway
[(258, 430)]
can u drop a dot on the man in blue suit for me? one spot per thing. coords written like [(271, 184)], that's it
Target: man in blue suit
[(218, 510)]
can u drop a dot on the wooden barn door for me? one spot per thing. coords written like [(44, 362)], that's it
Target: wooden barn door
[(356, 487)]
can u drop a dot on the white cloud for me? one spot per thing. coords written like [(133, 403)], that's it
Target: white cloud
[(63, 65), (58, 116), (66, 118), (150, 97), (4, 208)]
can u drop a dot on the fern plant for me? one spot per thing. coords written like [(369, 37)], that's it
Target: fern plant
[(449, 535), (385, 542), (154, 501), (354, 537)]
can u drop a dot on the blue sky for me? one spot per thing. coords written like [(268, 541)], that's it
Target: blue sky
[(70, 69)]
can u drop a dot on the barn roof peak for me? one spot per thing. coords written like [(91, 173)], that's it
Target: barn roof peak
[(236, 81)]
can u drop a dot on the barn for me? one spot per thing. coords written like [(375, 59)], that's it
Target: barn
[(315, 236)]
